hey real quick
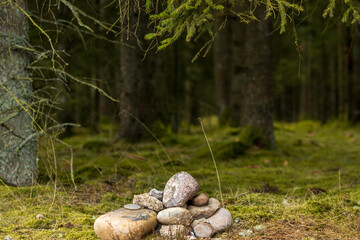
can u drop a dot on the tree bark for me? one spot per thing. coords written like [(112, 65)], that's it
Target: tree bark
[(139, 79), (237, 68), (18, 142), (222, 75), (257, 86), (356, 76)]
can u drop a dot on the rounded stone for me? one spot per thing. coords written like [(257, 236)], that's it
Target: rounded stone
[(173, 231), (132, 206), (203, 230), (179, 189), (174, 216), (221, 220), (147, 201), (125, 224), (205, 211), (200, 200)]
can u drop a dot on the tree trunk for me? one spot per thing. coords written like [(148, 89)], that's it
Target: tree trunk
[(222, 76), (356, 76), (237, 67), (176, 88), (138, 75), (256, 90), (18, 142)]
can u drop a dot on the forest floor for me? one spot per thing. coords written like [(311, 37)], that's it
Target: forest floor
[(308, 188)]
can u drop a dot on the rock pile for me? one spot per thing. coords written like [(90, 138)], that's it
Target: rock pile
[(179, 211)]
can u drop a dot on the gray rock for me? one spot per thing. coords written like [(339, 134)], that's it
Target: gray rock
[(179, 189), (132, 206), (125, 224), (203, 230), (200, 200), (205, 211), (156, 194), (197, 221), (147, 201), (8, 238), (221, 220), (175, 216), (173, 231)]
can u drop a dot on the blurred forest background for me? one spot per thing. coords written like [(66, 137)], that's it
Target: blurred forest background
[(314, 72), (279, 102)]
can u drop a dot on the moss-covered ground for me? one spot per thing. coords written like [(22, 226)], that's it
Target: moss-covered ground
[(308, 188)]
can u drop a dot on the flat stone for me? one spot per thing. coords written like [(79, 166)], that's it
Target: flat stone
[(179, 189), (203, 230), (125, 224), (175, 216), (221, 220), (173, 231), (200, 200), (147, 201), (132, 206), (156, 194), (205, 211)]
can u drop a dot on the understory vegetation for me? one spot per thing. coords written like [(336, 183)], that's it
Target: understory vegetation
[(308, 188)]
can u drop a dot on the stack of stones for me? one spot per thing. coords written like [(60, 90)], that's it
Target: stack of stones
[(178, 211)]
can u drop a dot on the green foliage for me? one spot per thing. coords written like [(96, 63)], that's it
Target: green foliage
[(351, 12), (197, 17)]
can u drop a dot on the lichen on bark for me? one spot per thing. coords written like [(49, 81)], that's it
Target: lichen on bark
[(18, 149)]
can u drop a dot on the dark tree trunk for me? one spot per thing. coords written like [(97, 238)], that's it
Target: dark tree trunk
[(237, 67), (306, 105), (323, 103), (176, 88), (333, 92), (222, 74), (139, 78), (256, 90), (356, 76), (18, 142)]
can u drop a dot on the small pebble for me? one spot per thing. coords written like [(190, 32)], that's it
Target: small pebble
[(246, 233), (8, 238), (132, 206), (259, 227), (40, 216), (200, 200)]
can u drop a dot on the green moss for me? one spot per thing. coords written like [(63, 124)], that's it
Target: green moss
[(96, 145), (309, 155), (317, 207), (251, 213), (110, 197)]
